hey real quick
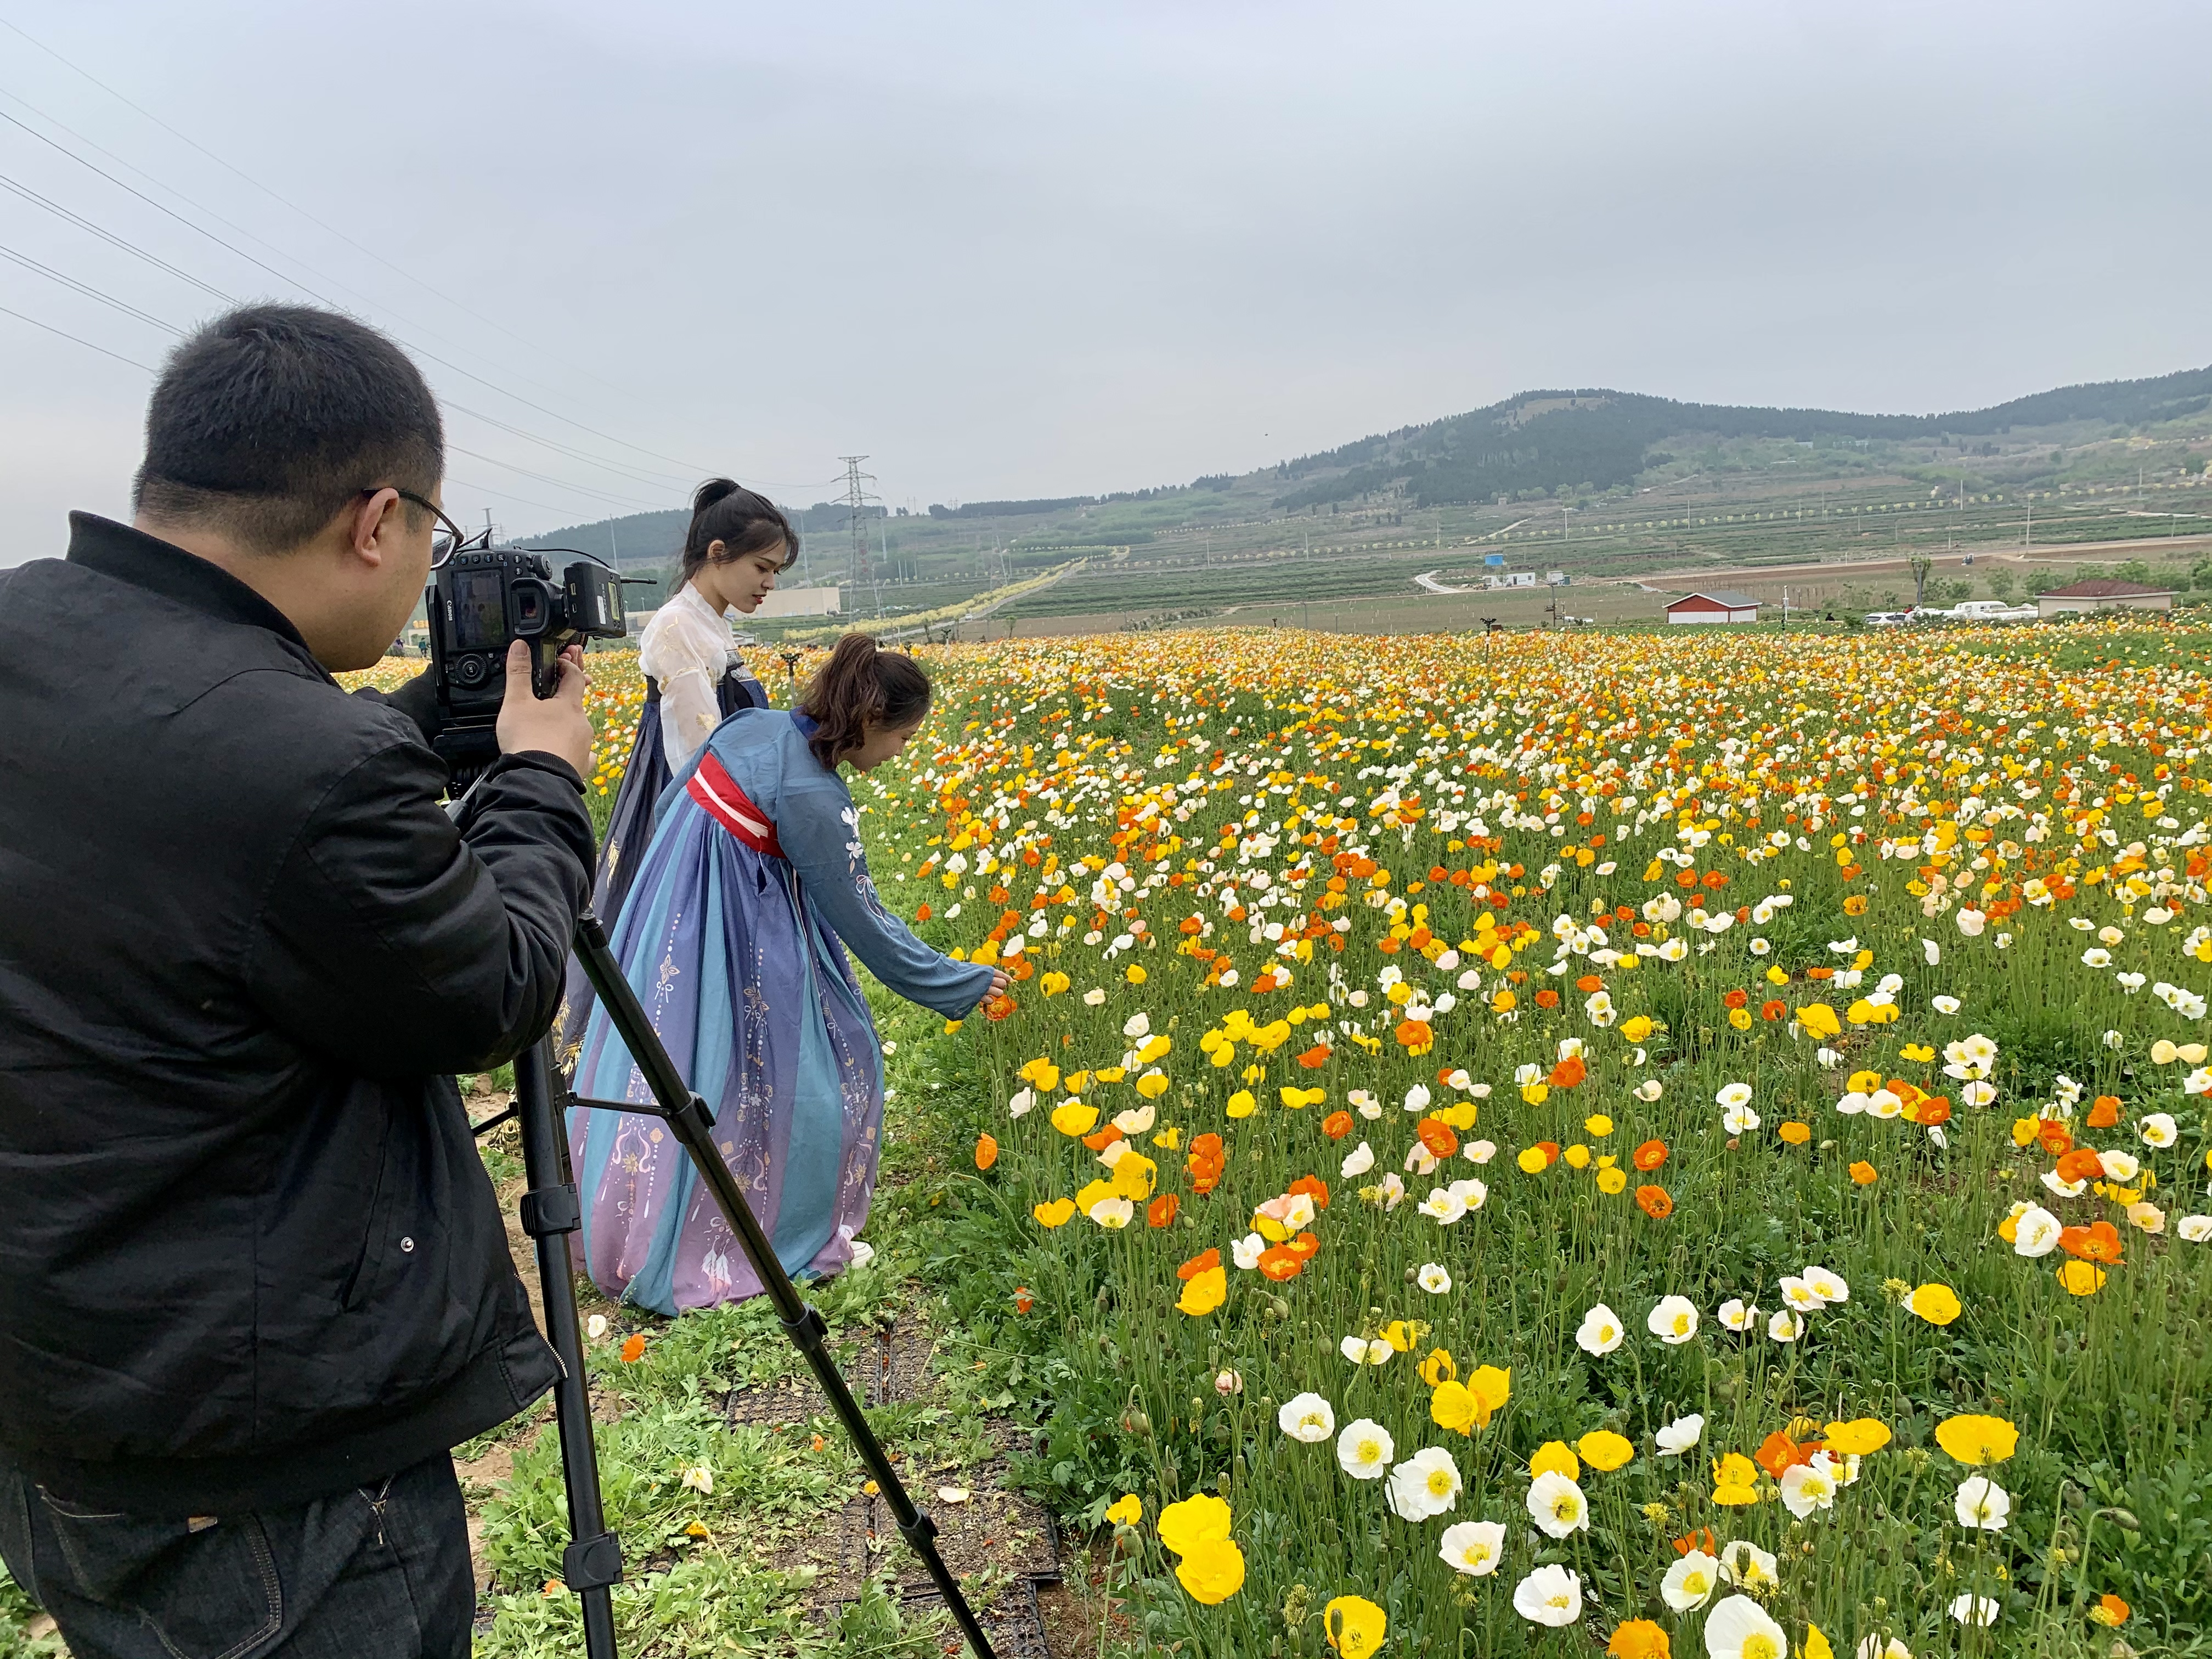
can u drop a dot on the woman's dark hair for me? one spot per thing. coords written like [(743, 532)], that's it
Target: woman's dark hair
[(725, 511), (861, 686)]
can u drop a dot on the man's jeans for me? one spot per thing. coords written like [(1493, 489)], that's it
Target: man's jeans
[(381, 1573)]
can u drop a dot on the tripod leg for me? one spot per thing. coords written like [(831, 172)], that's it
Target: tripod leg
[(592, 1562), (693, 1125)]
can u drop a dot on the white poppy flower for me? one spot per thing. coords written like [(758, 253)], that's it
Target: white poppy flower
[(2035, 1232), (1113, 1213), (1691, 1582), (2120, 1166), (1733, 1094), (1417, 1097), (1876, 1647), (1971, 923), (1974, 1609), (1359, 1161), (1739, 1628), (2194, 1229), (1550, 1595), (1807, 1487), (1136, 1025), (1737, 1314), (2063, 1188), (1803, 1296), (1470, 1192), (1478, 1151), (1365, 1351), (1931, 951), (1828, 1286), (1600, 1332), (1650, 1089), (1557, 1504), (1785, 1326), (1680, 1435), (1739, 1120), (1983, 1503), (1473, 1547), (1851, 1101), (1307, 1418), (1363, 1450), (1363, 1101), (1443, 1205), (1020, 1105), (1749, 1566), (1095, 997), (1424, 1485), (1674, 1320), (1944, 1005), (1433, 1278), (1247, 1251), (2096, 956)]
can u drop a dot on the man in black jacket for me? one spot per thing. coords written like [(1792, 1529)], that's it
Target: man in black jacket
[(253, 1280)]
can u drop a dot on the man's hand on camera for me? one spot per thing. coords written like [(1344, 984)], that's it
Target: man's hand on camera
[(552, 726)]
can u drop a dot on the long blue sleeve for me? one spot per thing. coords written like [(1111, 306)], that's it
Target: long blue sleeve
[(819, 830)]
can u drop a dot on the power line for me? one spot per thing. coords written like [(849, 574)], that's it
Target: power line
[(292, 280), (109, 237), (76, 339), (86, 288), (295, 207)]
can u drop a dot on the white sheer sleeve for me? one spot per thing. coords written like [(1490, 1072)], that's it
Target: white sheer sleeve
[(685, 648)]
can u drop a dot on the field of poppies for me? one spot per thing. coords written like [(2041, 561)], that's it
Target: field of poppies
[(1559, 1144), (1635, 1143)]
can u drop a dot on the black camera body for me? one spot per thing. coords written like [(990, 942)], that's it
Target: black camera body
[(482, 600)]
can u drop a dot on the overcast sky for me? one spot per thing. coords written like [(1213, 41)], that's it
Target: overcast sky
[(1041, 250)]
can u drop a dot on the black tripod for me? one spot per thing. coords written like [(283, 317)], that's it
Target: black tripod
[(592, 1564)]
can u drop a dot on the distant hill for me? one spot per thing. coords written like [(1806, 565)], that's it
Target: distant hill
[(1545, 440), (1534, 444)]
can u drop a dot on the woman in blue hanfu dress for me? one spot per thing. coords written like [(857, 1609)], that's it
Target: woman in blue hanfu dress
[(737, 544), (733, 936)]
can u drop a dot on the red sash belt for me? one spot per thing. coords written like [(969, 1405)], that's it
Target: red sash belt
[(728, 805)]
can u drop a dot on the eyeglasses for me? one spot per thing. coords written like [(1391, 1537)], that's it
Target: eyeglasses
[(444, 539)]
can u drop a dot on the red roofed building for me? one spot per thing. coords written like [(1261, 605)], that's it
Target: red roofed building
[(2103, 594), (1721, 606)]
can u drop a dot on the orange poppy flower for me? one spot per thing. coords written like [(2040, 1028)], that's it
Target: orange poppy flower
[(1204, 1261), (2082, 1164), (1314, 1188), (1932, 1110), (633, 1349), (2111, 1611), (1100, 1139), (1589, 983), (1550, 1151), (1315, 1057), (1206, 1163), (2054, 1137), (1655, 1201), (1305, 1246), (1700, 1538), (1280, 1263), (1796, 1133), (1736, 999), (1162, 1210), (1569, 1072), (1864, 1173), (1778, 1453), (2104, 1111), (2097, 1242), (1548, 998), (1650, 1156), (986, 1151), (1025, 1299), (1437, 1135), (1772, 1009), (1336, 1125)]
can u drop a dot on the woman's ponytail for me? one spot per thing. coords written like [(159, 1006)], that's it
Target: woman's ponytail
[(861, 685)]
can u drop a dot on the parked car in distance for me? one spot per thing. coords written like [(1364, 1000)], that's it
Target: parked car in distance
[(1887, 618), (1993, 611)]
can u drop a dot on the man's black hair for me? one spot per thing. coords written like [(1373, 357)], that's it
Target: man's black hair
[(268, 420)]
